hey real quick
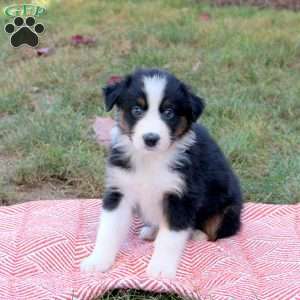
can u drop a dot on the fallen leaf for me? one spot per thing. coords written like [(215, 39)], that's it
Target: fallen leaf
[(35, 89), (114, 79), (44, 51), (82, 40), (102, 127), (196, 66), (205, 17)]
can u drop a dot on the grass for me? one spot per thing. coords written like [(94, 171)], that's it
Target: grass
[(244, 61)]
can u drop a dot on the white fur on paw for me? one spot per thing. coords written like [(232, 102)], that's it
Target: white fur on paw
[(198, 235), (157, 269), (148, 233), (94, 263)]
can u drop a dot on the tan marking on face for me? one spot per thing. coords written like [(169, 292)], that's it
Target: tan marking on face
[(141, 102), (182, 127), (122, 123), (212, 226)]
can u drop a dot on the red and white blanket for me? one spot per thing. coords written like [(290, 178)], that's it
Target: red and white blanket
[(43, 242)]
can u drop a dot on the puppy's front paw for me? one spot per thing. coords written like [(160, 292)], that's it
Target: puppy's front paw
[(95, 263), (157, 269)]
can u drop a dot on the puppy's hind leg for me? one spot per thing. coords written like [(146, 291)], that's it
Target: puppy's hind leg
[(231, 222), (114, 224), (148, 232), (224, 224), (198, 235)]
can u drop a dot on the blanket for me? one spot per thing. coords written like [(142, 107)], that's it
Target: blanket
[(43, 242)]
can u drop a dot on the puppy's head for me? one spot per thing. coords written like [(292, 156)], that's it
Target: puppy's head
[(155, 109)]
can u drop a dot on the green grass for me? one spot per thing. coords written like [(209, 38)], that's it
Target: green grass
[(244, 61)]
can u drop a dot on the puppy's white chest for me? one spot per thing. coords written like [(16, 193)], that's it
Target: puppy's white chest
[(146, 184), (152, 179)]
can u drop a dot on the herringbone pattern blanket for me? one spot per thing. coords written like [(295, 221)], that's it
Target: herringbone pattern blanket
[(42, 244)]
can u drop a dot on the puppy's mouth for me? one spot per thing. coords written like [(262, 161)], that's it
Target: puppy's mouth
[(150, 149)]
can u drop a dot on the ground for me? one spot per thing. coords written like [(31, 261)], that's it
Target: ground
[(245, 61)]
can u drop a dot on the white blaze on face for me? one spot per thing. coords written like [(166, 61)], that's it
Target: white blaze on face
[(151, 122)]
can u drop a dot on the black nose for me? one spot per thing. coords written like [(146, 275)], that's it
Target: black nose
[(151, 139)]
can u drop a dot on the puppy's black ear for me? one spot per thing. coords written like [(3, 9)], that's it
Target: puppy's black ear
[(197, 103), (112, 92), (198, 106)]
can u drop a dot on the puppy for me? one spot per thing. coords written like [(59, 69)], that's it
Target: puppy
[(165, 166)]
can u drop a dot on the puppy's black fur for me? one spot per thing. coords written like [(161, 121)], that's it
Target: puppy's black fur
[(212, 200)]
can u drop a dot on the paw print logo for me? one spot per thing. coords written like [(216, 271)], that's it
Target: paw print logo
[(24, 33)]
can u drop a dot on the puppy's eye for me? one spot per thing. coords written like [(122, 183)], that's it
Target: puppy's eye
[(169, 114), (137, 111)]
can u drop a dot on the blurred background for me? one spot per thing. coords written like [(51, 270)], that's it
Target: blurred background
[(243, 57)]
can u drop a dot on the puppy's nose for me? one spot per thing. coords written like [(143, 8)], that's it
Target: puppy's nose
[(151, 139)]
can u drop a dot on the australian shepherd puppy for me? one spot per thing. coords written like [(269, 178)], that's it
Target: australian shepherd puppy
[(167, 168)]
